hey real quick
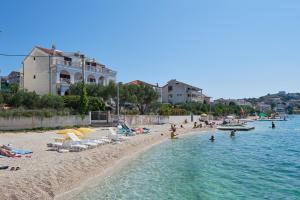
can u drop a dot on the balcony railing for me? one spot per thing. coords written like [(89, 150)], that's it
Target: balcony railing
[(91, 68), (65, 80)]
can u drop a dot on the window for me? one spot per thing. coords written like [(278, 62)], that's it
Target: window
[(67, 59), (170, 88), (170, 95), (179, 95)]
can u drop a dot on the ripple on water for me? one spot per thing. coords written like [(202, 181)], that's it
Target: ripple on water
[(261, 164)]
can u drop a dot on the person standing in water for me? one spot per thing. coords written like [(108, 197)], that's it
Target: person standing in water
[(232, 133), (273, 125), (212, 138), (173, 134)]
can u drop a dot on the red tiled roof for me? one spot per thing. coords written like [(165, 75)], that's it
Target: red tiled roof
[(138, 82), (50, 51)]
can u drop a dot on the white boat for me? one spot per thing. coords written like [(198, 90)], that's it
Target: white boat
[(237, 128), (270, 119), (246, 120)]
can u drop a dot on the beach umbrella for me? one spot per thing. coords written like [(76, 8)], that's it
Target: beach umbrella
[(85, 130), (203, 115), (65, 131)]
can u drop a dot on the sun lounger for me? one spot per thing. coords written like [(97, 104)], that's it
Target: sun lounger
[(114, 136), (71, 146), (75, 139), (122, 129)]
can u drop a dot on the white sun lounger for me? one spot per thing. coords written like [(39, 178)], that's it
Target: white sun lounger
[(71, 146), (75, 139), (114, 136)]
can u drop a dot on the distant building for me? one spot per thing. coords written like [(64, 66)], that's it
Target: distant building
[(52, 71), (243, 102), (280, 108), (206, 99), (281, 93), (14, 78), (262, 107), (240, 102), (222, 101), (157, 89), (175, 92)]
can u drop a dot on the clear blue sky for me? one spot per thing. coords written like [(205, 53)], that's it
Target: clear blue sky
[(230, 48)]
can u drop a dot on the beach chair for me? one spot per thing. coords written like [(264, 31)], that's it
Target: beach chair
[(124, 129), (89, 143), (114, 136), (71, 146)]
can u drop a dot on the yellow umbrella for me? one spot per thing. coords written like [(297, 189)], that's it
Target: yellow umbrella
[(65, 131), (203, 115), (85, 130)]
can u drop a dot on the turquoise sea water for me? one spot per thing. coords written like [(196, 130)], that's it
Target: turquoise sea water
[(260, 164)]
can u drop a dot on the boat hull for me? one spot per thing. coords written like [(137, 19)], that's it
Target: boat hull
[(237, 128)]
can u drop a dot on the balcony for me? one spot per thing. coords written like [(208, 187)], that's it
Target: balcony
[(65, 81), (90, 68)]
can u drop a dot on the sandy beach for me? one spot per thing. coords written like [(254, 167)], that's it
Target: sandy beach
[(53, 175)]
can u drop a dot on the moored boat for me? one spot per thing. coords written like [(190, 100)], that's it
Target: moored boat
[(237, 128)]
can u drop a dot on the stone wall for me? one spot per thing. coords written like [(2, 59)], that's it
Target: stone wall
[(145, 119), (155, 119), (19, 123)]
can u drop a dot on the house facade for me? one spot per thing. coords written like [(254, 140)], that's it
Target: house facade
[(175, 92), (156, 88), (262, 107), (52, 71)]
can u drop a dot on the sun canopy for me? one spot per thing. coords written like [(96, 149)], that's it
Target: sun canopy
[(262, 115)]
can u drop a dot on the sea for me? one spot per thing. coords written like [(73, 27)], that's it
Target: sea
[(259, 164)]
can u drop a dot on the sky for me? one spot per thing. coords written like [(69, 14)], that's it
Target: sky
[(229, 48)]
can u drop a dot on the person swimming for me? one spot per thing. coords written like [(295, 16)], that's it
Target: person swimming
[(273, 125), (232, 133), (212, 138)]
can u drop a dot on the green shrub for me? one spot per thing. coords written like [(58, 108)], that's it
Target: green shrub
[(72, 102), (52, 101), (95, 104), (1, 99), (28, 100), (21, 112)]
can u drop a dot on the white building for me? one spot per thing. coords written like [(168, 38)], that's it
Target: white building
[(52, 71), (175, 92)]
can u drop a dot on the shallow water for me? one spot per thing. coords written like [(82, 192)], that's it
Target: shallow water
[(260, 164)]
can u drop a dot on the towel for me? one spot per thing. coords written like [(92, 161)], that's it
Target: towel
[(21, 151)]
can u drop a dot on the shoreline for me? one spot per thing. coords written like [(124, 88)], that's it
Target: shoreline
[(52, 175), (119, 164)]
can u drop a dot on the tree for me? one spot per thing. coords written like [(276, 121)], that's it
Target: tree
[(96, 104), (1, 99), (141, 96), (84, 102), (14, 88)]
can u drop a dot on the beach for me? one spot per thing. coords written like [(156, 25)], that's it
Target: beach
[(53, 175)]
